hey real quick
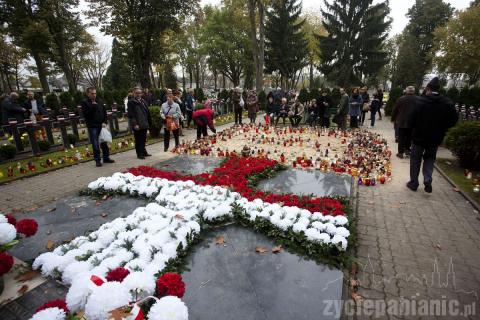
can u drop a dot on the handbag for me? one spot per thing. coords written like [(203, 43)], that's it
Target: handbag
[(366, 107), (170, 123)]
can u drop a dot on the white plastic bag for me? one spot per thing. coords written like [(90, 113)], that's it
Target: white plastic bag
[(105, 136), (242, 103)]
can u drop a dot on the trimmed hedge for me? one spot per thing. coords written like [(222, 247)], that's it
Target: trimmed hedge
[(463, 141)]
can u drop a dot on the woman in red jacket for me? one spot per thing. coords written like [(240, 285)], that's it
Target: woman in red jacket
[(203, 118)]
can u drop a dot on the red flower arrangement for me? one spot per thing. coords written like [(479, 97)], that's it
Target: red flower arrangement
[(11, 219), (117, 274), (6, 263), (60, 304), (28, 227), (234, 174), (170, 284)]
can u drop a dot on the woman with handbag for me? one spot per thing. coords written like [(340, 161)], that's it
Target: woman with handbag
[(172, 115), (366, 103), (355, 104)]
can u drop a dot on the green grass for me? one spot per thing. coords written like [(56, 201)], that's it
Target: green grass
[(456, 173)]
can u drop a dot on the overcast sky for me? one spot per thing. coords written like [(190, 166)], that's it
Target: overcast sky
[(398, 10)]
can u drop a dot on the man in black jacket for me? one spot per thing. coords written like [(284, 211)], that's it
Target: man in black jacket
[(430, 119), (95, 115), (11, 109), (140, 120)]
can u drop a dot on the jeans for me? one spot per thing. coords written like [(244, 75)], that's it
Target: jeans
[(140, 137), (404, 140), (252, 116), (373, 113), (238, 116), (429, 154), (166, 138), (93, 134), (189, 117)]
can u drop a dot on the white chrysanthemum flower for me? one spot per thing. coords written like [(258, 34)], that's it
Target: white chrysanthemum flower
[(319, 226), (340, 242), (107, 297), (79, 292), (50, 314), (312, 234), (284, 224), (73, 270), (341, 231), (299, 227), (341, 220), (141, 281), (49, 262), (7, 233), (3, 219), (330, 228), (324, 238), (168, 308)]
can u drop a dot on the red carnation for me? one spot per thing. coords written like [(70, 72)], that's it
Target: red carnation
[(117, 274), (11, 219), (28, 227), (170, 284), (6, 263), (60, 304)]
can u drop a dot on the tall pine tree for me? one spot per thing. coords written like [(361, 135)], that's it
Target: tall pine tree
[(286, 44), (119, 74), (414, 52), (353, 46)]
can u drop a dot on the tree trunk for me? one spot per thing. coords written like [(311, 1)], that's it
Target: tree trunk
[(197, 75), (253, 39), (223, 78), (215, 75), (311, 76), (184, 81), (190, 73), (152, 76), (261, 47)]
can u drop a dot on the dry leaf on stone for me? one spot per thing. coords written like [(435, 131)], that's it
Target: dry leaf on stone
[(179, 216), (105, 197), (98, 202), (220, 240), (79, 314), (50, 244), (28, 275), (456, 189), (52, 209), (23, 289), (104, 214), (277, 249), (438, 246), (356, 297), (260, 249), (119, 314), (31, 209)]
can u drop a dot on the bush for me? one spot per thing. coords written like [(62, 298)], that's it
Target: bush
[(66, 100), (8, 151), (395, 93), (453, 94), (262, 100), (72, 139), (157, 121), (199, 95), (462, 140), (43, 145), (51, 101), (78, 98), (304, 95)]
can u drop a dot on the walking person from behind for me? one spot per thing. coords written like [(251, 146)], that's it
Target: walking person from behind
[(237, 105), (324, 102), (430, 119), (366, 103), (172, 115), (95, 114), (189, 106), (401, 119), (140, 120), (375, 105)]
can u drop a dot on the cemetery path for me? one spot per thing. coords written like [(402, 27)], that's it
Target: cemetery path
[(417, 245)]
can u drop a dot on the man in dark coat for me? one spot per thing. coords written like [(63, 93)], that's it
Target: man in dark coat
[(11, 109), (342, 112), (432, 116), (324, 102), (237, 105), (400, 117), (95, 115), (140, 120), (35, 107)]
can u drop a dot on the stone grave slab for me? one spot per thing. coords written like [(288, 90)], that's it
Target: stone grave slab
[(233, 282), (315, 183), (188, 164), (68, 218)]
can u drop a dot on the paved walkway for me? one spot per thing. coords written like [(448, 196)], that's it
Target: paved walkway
[(417, 245), (411, 245)]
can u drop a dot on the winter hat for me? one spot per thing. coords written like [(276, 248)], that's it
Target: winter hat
[(434, 84)]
